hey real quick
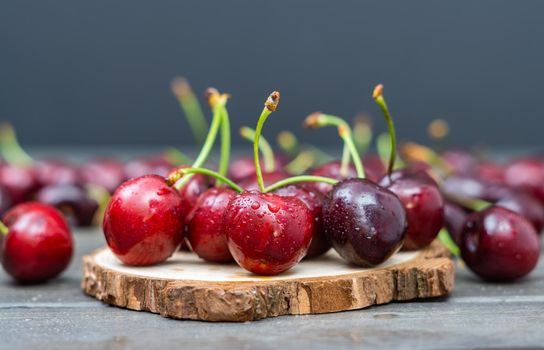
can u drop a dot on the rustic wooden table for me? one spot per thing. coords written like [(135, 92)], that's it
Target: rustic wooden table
[(478, 315)]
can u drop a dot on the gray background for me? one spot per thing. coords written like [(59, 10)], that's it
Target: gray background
[(98, 72)]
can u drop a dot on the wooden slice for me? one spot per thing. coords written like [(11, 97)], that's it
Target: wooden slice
[(186, 287)]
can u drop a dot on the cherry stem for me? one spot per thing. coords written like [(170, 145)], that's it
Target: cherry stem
[(175, 157), (362, 134), (225, 144), (288, 143), (344, 163), (445, 238), (174, 178), (318, 120), (383, 145), (3, 229), (302, 162), (475, 204), (191, 108), (270, 106), (298, 179), (265, 148), (11, 150), (416, 152), (377, 95)]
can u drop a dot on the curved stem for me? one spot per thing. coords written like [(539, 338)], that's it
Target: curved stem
[(362, 134), (225, 144), (318, 120), (191, 108), (378, 97), (269, 106), (300, 163), (383, 145), (299, 179), (181, 173), (11, 150), (265, 148), (3, 229)]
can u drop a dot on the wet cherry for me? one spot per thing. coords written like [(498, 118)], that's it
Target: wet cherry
[(499, 245)]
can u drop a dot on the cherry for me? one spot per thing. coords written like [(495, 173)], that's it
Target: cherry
[(454, 220), (365, 222), (526, 174), (332, 170), (5, 200), (204, 225), (38, 243), (57, 172), (313, 199), (104, 172), (460, 161), (251, 183), (193, 188), (374, 167), (423, 202), (72, 200), (470, 186), (490, 172), (18, 181), (499, 245), (526, 205), (147, 166), (143, 223), (266, 233), (244, 167)]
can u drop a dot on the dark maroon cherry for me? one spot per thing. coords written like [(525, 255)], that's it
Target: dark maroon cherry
[(527, 174), (38, 245), (454, 220), (104, 172), (314, 201), (267, 234), (423, 202), (147, 166), (143, 223), (366, 223), (526, 205), (18, 181), (499, 245), (250, 182), (57, 172), (5, 200), (469, 186), (374, 168), (204, 225), (332, 170), (72, 200)]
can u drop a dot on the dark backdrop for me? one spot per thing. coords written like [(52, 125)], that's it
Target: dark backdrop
[(98, 72)]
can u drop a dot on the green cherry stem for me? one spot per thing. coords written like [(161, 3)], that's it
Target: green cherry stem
[(265, 148), (3, 229), (445, 238), (299, 179), (362, 133), (270, 106), (225, 143), (383, 145), (414, 152), (191, 108), (288, 143), (181, 173), (318, 120), (11, 150), (377, 95), (302, 162)]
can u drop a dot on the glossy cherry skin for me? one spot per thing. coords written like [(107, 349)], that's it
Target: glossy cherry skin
[(250, 183), (38, 246), (332, 170), (18, 181), (147, 166), (57, 172), (103, 172), (526, 174), (36, 207), (314, 201), (454, 220), (366, 223), (244, 167), (423, 203), (499, 245), (374, 168), (204, 225), (143, 223), (72, 200), (267, 234), (527, 206)]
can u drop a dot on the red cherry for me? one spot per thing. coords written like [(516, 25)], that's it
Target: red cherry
[(314, 201), (267, 234), (143, 223), (527, 206), (454, 220), (332, 170), (499, 245), (38, 245), (18, 181), (423, 202), (204, 225), (147, 166), (250, 183), (57, 172), (244, 167), (527, 174), (190, 192), (106, 173)]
